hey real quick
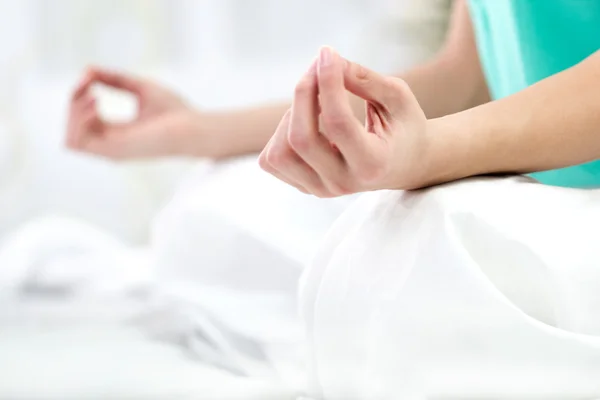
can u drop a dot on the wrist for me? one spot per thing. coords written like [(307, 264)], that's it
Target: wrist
[(449, 152), (182, 133), (219, 135), (198, 135)]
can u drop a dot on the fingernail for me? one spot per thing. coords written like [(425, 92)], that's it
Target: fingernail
[(325, 56)]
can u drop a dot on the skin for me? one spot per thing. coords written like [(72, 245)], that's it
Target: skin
[(162, 116), (432, 124), (549, 125), (168, 126)]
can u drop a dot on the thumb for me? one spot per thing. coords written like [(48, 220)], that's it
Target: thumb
[(373, 87), (116, 80)]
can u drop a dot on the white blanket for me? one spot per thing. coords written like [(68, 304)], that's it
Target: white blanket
[(488, 288)]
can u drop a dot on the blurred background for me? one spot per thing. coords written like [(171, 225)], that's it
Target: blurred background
[(217, 53)]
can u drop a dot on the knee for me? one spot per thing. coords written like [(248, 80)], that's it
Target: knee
[(393, 225)]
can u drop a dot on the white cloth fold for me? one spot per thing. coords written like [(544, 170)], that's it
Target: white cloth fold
[(487, 288), (59, 270), (59, 254), (229, 250), (219, 278)]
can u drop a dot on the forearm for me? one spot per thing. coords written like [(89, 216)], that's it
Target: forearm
[(550, 125), (234, 133), (248, 130)]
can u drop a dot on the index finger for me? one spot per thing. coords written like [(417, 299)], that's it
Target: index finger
[(340, 124), (117, 80), (83, 86)]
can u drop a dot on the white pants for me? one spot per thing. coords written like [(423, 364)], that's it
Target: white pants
[(488, 288)]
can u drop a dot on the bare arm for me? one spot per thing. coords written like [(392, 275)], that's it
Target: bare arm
[(453, 81), (552, 124), (167, 126)]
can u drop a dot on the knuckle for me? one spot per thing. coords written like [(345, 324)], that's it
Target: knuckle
[(276, 158), (318, 189), (322, 194), (303, 88), (334, 121), (362, 74), (263, 163), (398, 85), (302, 190), (299, 140), (338, 189)]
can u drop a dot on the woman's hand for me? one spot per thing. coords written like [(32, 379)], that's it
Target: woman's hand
[(321, 148), (161, 127)]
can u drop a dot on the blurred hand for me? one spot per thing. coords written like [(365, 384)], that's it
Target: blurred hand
[(321, 148), (162, 121)]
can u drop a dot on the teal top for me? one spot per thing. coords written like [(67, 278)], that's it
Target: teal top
[(523, 41)]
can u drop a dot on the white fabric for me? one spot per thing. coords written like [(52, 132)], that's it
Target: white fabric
[(226, 255), (76, 362), (229, 249), (62, 254), (60, 270), (488, 288)]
